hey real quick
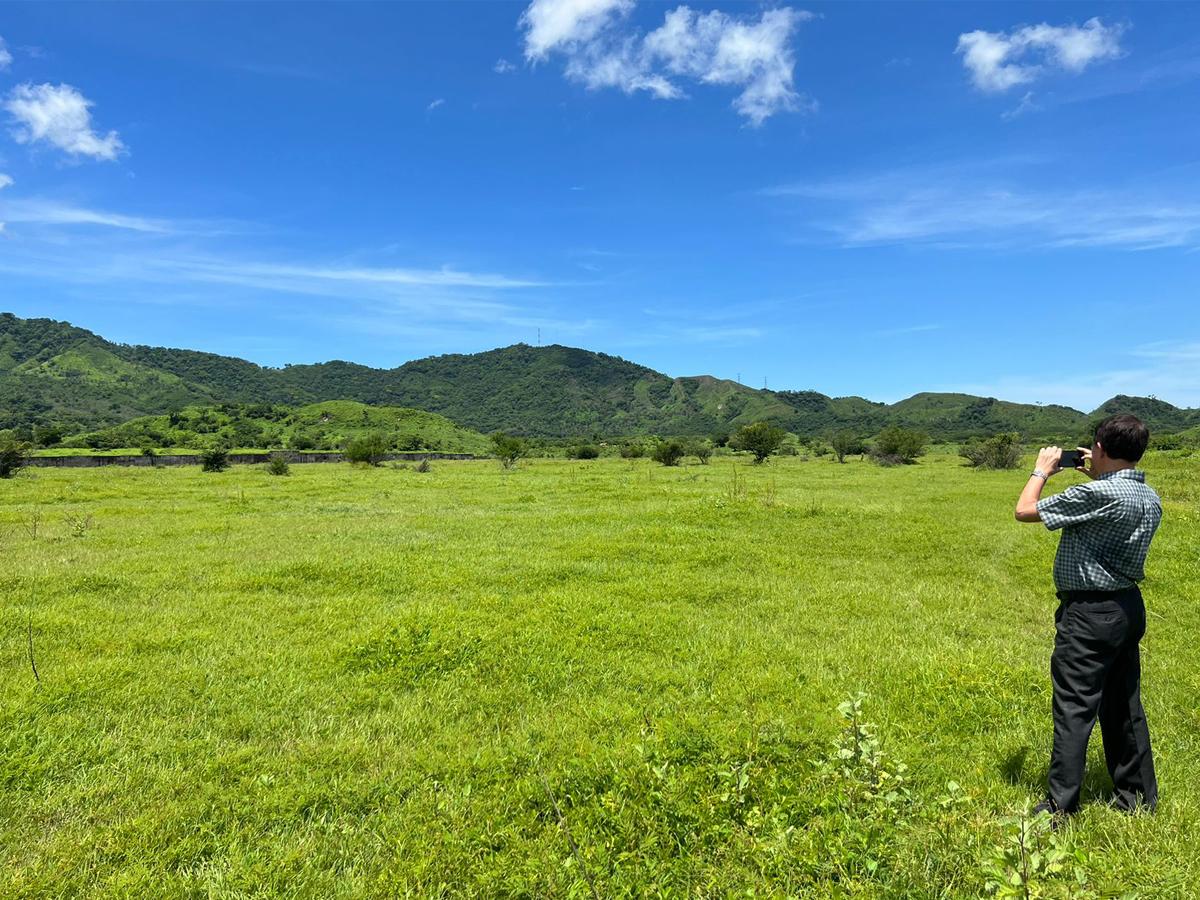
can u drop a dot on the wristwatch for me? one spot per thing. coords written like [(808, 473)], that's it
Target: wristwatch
[(1038, 473)]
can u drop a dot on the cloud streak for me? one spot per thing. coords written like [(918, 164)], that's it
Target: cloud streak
[(601, 50), (952, 206)]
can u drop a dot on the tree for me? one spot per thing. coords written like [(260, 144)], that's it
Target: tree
[(13, 455), (368, 448), (899, 445), (762, 439), (845, 443), (702, 450), (508, 448), (669, 452), (585, 451)]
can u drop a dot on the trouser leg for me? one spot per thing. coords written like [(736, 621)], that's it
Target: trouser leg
[(1126, 735), (1077, 670)]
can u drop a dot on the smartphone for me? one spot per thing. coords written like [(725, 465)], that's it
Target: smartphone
[(1071, 459)]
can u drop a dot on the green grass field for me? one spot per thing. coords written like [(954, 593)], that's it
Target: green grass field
[(358, 682)]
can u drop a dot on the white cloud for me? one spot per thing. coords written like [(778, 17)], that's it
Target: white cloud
[(5, 181), (60, 116), (5, 56), (708, 48), (503, 67), (440, 101), (999, 61), (564, 24)]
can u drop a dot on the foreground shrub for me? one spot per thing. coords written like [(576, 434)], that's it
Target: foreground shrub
[(508, 448), (669, 452), (369, 449), (585, 451), (1000, 451), (278, 465), (423, 466), (633, 450), (896, 444), (762, 439), (13, 455), (214, 460)]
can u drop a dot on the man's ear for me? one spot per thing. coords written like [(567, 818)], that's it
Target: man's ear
[(1098, 450)]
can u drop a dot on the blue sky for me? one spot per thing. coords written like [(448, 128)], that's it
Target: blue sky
[(854, 198)]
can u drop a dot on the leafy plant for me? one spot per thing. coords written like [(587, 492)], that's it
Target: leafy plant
[(899, 445), (846, 443), (762, 439), (508, 448), (278, 465), (13, 456), (586, 451), (1000, 451), (1033, 860), (370, 449), (669, 452), (215, 459)]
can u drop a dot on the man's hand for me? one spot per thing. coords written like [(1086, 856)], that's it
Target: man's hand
[(1085, 463), (1048, 459)]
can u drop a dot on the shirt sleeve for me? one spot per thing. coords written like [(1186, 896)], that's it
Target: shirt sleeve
[(1077, 504)]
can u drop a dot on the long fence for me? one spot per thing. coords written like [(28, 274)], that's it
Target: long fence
[(182, 459)]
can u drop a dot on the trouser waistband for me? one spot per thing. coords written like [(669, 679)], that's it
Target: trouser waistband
[(1131, 593)]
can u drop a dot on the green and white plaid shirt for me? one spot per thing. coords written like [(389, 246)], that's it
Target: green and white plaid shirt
[(1107, 526)]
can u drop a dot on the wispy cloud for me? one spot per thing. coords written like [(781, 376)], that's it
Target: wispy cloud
[(5, 56), (440, 101), (998, 61), (601, 50), (906, 329), (42, 212), (503, 67), (955, 206), (59, 115)]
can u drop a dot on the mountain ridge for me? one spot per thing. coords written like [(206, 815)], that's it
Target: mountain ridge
[(57, 373)]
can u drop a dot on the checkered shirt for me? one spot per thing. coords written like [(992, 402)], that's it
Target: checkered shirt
[(1107, 526)]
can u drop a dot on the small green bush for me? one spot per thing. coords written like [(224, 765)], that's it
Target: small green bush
[(896, 445), (585, 451), (369, 449), (633, 450), (423, 466), (215, 459), (1000, 451), (669, 452), (13, 456), (278, 465), (508, 448)]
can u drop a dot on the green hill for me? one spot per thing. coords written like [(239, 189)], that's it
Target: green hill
[(52, 373)]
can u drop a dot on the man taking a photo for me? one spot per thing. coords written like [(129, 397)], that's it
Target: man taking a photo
[(1107, 525)]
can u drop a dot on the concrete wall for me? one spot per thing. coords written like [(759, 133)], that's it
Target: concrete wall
[(77, 462)]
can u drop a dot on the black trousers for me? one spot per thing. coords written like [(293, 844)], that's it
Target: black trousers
[(1096, 671)]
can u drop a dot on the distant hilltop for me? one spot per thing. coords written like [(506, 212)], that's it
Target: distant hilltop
[(52, 373)]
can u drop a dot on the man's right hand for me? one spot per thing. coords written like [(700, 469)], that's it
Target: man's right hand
[(1085, 463), (1048, 458)]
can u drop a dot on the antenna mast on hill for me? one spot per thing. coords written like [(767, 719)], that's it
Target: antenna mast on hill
[(539, 337)]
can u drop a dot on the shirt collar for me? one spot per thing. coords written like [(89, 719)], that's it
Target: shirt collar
[(1135, 474)]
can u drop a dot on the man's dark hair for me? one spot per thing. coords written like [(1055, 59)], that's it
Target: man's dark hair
[(1123, 437)]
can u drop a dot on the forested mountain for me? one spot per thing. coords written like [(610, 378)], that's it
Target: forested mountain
[(52, 373)]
